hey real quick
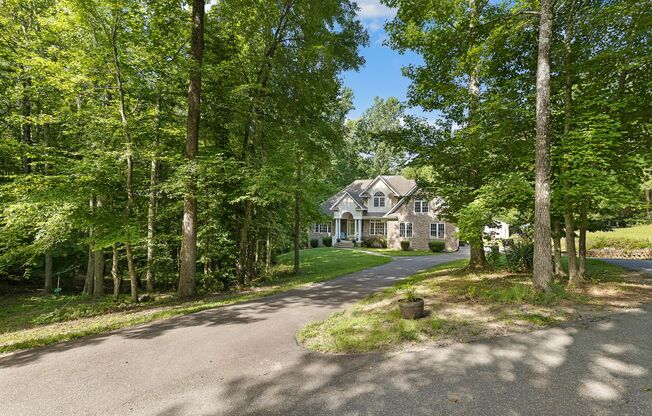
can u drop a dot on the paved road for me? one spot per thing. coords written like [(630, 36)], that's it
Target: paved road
[(186, 365), (643, 266), (242, 360)]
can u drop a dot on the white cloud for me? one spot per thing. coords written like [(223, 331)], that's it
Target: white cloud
[(372, 9)]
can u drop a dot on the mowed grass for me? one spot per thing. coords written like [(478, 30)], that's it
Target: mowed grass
[(463, 306), (31, 321), (636, 237), (398, 253)]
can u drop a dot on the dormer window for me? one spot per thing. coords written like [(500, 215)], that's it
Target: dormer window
[(379, 200), (420, 206)]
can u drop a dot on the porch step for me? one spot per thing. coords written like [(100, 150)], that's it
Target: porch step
[(344, 244)]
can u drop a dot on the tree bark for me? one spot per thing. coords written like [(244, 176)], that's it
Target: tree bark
[(151, 224), (131, 269), (115, 272), (98, 285), (581, 270), (477, 260), (188, 267), (542, 270), (26, 128), (556, 240), (297, 214), (570, 247), (49, 275), (268, 254), (130, 164), (90, 269)]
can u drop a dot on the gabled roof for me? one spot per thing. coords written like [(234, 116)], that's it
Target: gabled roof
[(402, 200), (396, 183), (353, 190), (400, 185)]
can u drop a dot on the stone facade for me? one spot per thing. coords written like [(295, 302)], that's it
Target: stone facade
[(420, 227)]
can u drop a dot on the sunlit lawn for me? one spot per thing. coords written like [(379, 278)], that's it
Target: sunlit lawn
[(30, 321), (464, 306)]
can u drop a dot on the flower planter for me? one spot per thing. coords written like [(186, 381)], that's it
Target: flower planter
[(411, 309)]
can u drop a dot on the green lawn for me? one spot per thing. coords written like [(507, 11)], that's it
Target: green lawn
[(31, 321), (465, 306), (636, 237), (398, 253)]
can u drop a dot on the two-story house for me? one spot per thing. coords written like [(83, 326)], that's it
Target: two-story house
[(386, 206)]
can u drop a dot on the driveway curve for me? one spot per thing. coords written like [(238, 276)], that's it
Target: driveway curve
[(188, 364)]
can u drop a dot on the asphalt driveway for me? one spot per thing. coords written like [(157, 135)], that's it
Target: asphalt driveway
[(243, 359), (640, 265)]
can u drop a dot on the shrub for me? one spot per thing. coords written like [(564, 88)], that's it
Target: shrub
[(520, 257), (314, 243), (436, 246), (374, 241), (327, 241), (405, 245), (622, 243), (494, 255)]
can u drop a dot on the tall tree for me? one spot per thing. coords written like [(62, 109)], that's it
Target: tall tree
[(189, 239), (542, 266)]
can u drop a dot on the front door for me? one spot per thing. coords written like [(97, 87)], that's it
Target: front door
[(350, 226)]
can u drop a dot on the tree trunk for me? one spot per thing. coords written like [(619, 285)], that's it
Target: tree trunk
[(648, 203), (556, 240), (297, 215), (115, 272), (90, 269), (133, 278), (49, 275), (98, 286), (26, 128), (542, 270), (581, 271), (242, 269), (188, 268), (130, 164), (570, 247), (151, 224), (268, 254), (477, 258)]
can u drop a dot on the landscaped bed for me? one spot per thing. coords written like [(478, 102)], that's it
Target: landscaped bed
[(28, 321), (462, 306)]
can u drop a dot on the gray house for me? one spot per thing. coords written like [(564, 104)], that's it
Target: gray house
[(386, 206)]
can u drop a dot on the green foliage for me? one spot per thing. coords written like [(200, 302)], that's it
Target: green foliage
[(327, 241), (314, 243), (436, 246), (374, 241), (494, 258), (520, 256), (405, 245), (410, 294)]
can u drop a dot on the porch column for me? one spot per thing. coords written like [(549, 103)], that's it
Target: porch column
[(337, 228), (358, 229)]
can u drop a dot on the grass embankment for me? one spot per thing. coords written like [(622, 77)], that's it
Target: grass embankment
[(31, 321), (462, 306), (631, 238)]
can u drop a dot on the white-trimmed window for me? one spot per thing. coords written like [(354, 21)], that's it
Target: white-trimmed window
[(420, 206), (379, 200), (405, 229), (437, 230), (377, 227), (323, 227)]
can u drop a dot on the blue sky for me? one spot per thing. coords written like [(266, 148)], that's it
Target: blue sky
[(381, 76)]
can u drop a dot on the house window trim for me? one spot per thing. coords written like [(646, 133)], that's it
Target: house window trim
[(375, 223), (438, 235), (423, 206), (403, 230), (379, 200), (323, 227)]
